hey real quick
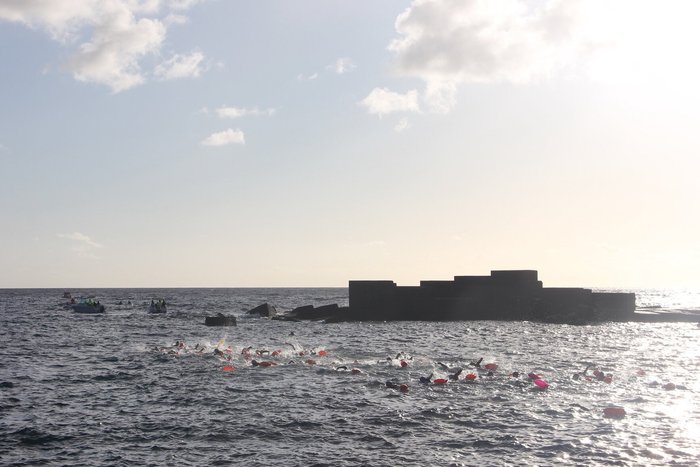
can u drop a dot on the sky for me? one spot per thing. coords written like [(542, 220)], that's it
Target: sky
[(231, 143)]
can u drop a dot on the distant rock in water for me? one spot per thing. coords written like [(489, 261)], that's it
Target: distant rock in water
[(220, 320), (329, 313), (265, 310), (503, 295)]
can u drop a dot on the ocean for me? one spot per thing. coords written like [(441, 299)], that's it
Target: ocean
[(115, 389)]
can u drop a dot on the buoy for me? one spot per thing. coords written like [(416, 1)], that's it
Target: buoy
[(355, 371), (491, 366), (322, 352), (440, 381), (404, 363), (228, 368), (310, 361), (540, 383), (669, 386), (614, 412), (403, 388), (470, 377)]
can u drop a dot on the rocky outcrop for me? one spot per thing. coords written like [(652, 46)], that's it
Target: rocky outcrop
[(503, 295), (265, 311), (220, 320), (327, 313)]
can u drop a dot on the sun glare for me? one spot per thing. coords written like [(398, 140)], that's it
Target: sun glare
[(643, 43)]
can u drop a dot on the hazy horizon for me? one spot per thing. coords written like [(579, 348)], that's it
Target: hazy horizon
[(201, 143)]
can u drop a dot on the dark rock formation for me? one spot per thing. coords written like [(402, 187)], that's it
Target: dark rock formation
[(328, 313), (265, 310), (220, 320), (504, 295)]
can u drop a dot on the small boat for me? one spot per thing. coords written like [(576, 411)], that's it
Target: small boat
[(88, 306), (158, 307)]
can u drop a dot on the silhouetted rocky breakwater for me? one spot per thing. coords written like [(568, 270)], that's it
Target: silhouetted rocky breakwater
[(503, 295)]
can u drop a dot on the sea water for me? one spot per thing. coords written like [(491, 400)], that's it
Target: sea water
[(113, 389)]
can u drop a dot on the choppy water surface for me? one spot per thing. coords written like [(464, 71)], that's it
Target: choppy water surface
[(113, 390)]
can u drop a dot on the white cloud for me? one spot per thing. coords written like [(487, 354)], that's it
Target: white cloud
[(113, 35), (382, 101), (174, 18), (402, 125), (183, 4), (222, 138), (311, 77), (82, 244), (237, 112), (447, 43), (341, 66), (180, 66)]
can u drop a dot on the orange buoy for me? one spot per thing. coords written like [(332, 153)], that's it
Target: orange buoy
[(491, 366), (403, 388), (614, 412), (355, 371), (310, 361), (470, 377), (228, 368), (404, 363), (440, 381)]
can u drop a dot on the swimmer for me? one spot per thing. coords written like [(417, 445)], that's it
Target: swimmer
[(218, 352), (342, 367), (392, 385), (264, 363), (455, 376), (476, 364), (426, 380), (449, 369)]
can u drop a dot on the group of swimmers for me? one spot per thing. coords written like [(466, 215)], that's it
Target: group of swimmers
[(473, 371)]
